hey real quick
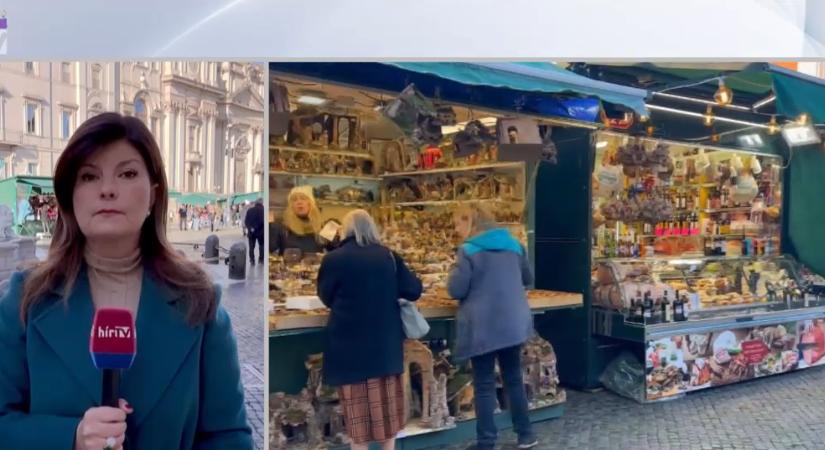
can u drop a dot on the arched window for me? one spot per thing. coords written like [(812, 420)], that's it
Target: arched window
[(97, 82), (140, 109)]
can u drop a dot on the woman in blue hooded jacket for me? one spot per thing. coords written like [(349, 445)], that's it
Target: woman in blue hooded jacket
[(494, 318)]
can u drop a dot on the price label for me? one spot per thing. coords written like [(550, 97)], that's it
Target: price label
[(755, 351)]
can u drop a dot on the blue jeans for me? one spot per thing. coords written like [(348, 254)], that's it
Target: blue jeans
[(484, 379)]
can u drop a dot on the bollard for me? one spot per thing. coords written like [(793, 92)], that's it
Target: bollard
[(210, 249), (237, 261)]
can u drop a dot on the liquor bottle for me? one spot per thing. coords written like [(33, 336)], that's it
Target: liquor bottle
[(708, 246), (667, 309), (678, 308), (647, 308), (685, 309), (725, 228), (640, 308)]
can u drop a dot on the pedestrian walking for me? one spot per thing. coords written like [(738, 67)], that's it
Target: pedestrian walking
[(182, 212), (254, 223)]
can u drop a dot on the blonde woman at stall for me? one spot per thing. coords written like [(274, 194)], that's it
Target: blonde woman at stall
[(300, 225), (494, 319)]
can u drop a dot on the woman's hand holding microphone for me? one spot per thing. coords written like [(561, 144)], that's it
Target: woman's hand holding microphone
[(103, 428)]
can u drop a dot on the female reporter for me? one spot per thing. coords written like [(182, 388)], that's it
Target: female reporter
[(110, 251)]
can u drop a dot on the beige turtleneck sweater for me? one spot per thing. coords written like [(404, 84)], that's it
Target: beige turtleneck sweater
[(115, 282)]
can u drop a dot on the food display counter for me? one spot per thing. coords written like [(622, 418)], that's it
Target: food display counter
[(687, 269)]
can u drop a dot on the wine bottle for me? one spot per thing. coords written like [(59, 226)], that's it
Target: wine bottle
[(647, 308), (667, 309)]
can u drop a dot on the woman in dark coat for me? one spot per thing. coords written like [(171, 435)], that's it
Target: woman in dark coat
[(361, 283)]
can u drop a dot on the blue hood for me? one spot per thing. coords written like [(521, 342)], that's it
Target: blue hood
[(497, 239)]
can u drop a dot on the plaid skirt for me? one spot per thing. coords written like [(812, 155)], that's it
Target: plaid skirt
[(373, 409)]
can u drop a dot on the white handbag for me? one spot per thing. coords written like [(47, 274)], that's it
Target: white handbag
[(413, 322)]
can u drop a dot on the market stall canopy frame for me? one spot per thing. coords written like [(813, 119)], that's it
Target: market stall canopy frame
[(530, 88)]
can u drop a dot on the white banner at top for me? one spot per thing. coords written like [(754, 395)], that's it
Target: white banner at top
[(419, 29)]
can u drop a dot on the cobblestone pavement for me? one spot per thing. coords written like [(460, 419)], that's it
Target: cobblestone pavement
[(243, 300), (777, 413)]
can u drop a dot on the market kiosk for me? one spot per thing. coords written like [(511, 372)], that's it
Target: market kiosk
[(694, 248), (352, 159), (29, 198)]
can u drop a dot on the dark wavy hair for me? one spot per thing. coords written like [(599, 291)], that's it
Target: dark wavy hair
[(65, 260)]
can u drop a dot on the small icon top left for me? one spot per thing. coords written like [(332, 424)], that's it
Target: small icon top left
[(4, 25)]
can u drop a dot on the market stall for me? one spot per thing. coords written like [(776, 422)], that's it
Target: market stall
[(353, 157), (32, 202), (692, 281)]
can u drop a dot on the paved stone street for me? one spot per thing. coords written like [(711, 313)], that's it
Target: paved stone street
[(777, 413), (243, 300)]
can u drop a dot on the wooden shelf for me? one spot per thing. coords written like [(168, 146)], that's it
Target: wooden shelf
[(693, 185), (346, 204), (548, 300), (324, 175), (322, 151), (454, 202), (490, 166), (724, 210)]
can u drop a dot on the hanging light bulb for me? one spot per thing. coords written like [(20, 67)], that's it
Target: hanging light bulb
[(650, 129), (723, 95), (773, 127), (708, 118), (803, 119), (644, 118)]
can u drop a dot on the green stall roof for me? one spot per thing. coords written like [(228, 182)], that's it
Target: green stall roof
[(248, 196), (198, 198), (532, 77), (45, 185)]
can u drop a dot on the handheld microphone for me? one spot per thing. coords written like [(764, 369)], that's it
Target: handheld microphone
[(113, 346)]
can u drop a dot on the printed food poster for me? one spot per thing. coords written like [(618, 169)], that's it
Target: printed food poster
[(811, 342), (684, 363), (665, 367), (773, 349)]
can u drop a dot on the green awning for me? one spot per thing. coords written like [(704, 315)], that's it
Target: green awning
[(197, 198), (42, 185), (797, 93), (532, 77), (245, 197)]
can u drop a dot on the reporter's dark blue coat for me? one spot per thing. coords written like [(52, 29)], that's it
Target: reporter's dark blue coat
[(184, 385)]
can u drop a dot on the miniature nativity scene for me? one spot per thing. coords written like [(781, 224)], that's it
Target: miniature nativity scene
[(437, 395)]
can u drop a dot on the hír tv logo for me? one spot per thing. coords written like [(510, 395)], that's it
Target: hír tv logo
[(114, 332), (4, 28)]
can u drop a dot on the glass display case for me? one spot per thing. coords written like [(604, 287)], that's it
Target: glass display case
[(663, 290)]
